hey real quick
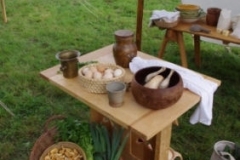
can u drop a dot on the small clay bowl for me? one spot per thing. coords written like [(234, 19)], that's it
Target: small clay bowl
[(156, 98)]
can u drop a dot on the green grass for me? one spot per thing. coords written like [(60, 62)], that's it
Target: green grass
[(37, 30)]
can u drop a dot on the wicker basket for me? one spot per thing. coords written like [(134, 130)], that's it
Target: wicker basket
[(46, 139), (162, 24), (64, 147), (99, 85)]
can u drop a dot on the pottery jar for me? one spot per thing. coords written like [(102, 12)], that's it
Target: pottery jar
[(124, 49), (213, 16)]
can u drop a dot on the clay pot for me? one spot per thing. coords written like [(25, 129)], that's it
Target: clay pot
[(212, 16), (124, 50)]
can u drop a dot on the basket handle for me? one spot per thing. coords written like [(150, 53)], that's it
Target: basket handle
[(50, 120)]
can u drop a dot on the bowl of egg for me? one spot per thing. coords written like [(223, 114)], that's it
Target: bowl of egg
[(95, 76)]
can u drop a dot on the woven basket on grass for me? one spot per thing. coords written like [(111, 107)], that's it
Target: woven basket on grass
[(162, 24), (46, 139), (99, 85), (68, 149)]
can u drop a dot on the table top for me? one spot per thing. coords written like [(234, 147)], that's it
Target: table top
[(184, 27), (146, 122)]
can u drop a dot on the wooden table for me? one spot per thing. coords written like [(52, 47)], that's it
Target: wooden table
[(176, 34), (145, 125)]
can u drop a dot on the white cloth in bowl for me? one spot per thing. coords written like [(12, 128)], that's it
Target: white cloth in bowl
[(192, 81), (167, 16)]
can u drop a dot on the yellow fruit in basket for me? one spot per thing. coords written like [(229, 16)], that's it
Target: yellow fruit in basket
[(63, 151), (55, 150), (47, 157), (63, 154)]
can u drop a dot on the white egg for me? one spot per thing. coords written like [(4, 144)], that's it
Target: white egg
[(85, 70), (107, 75), (101, 68), (117, 72), (89, 74), (109, 70), (97, 75), (93, 68)]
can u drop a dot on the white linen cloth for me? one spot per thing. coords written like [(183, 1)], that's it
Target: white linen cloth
[(165, 15), (192, 81)]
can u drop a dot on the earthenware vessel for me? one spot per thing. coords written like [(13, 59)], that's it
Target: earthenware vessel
[(212, 16), (156, 98), (124, 49), (69, 63)]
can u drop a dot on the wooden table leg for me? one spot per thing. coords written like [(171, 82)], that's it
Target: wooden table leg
[(197, 50), (162, 145), (171, 35), (95, 116), (181, 46), (4, 11)]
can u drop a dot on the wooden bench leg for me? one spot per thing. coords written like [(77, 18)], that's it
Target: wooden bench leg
[(163, 46), (4, 11), (163, 143), (197, 50), (181, 46), (171, 35)]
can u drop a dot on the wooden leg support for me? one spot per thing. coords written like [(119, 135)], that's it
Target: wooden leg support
[(197, 50), (163, 143), (181, 46), (4, 11), (171, 35)]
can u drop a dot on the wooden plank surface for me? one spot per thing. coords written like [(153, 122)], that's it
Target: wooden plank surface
[(125, 115), (150, 124)]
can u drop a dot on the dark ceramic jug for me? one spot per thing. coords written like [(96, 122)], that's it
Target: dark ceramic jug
[(212, 16), (125, 49)]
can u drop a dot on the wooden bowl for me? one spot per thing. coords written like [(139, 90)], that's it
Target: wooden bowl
[(156, 98)]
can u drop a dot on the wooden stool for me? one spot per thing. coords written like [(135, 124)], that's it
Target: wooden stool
[(4, 11)]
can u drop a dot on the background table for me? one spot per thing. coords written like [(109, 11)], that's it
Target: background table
[(145, 125), (176, 34)]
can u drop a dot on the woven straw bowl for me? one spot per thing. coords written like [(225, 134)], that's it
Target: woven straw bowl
[(61, 145), (96, 85)]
